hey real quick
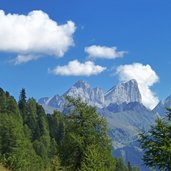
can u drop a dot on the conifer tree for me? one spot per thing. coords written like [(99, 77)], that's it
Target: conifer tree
[(129, 166), (16, 151), (156, 144), (22, 103), (86, 138), (120, 165)]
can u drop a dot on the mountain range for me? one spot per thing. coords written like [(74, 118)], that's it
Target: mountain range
[(124, 92), (122, 107)]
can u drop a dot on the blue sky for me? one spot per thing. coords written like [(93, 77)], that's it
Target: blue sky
[(142, 28)]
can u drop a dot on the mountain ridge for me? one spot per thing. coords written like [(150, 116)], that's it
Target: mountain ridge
[(162, 106), (123, 92)]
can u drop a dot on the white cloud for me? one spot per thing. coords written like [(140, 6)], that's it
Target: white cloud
[(75, 68), (104, 52), (34, 33), (145, 77), (24, 58)]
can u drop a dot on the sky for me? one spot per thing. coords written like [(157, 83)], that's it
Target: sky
[(46, 46)]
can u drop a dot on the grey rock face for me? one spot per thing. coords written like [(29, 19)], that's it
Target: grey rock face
[(92, 96), (162, 105), (124, 92), (43, 100), (125, 120)]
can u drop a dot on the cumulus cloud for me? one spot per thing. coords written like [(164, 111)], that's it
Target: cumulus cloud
[(75, 68), (145, 76), (104, 52), (34, 33)]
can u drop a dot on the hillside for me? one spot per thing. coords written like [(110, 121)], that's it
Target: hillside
[(33, 140), (3, 169)]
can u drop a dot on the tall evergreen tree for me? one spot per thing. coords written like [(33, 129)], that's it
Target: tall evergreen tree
[(120, 165), (3, 105), (129, 166), (16, 151), (156, 144), (56, 126), (22, 102), (86, 137)]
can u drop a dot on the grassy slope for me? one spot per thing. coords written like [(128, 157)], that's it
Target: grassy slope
[(3, 169)]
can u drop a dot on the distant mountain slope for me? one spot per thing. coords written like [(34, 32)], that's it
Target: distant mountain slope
[(132, 153), (162, 105), (125, 122)]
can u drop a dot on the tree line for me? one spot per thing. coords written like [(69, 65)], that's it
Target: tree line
[(76, 140)]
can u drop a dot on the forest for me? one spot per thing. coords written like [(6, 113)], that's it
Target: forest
[(75, 140)]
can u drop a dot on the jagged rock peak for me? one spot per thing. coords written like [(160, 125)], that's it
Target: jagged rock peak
[(132, 81), (168, 100), (162, 106), (124, 92), (82, 84)]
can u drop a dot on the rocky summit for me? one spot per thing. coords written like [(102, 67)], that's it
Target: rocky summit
[(123, 92)]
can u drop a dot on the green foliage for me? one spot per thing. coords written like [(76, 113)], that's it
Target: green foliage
[(56, 126), (8, 103), (120, 165), (16, 152), (135, 169), (132, 168), (129, 166), (56, 164), (30, 140), (85, 137), (22, 102), (156, 144), (30, 117), (97, 160)]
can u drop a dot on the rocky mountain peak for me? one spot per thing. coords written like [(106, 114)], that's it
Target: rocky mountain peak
[(81, 84), (124, 92), (130, 84), (162, 106), (167, 101)]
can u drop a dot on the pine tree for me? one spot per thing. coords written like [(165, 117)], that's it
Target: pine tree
[(129, 166), (156, 144), (16, 151), (120, 165), (56, 126), (3, 105), (56, 164), (30, 116), (22, 103)]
